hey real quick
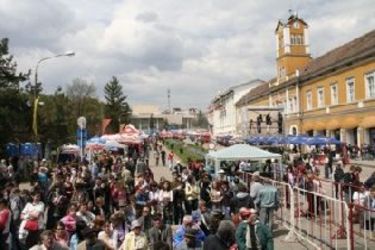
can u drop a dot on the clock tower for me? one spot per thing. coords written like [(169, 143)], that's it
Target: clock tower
[(292, 47)]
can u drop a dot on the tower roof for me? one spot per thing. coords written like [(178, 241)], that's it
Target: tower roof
[(292, 18)]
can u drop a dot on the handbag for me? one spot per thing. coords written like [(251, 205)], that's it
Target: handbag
[(31, 225)]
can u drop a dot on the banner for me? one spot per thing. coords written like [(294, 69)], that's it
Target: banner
[(35, 116), (105, 124)]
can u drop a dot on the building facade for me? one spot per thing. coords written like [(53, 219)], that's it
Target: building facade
[(149, 118), (222, 113), (332, 95)]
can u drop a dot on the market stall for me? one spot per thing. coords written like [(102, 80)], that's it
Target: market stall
[(240, 152)]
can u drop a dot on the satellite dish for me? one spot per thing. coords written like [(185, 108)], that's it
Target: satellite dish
[(81, 122)]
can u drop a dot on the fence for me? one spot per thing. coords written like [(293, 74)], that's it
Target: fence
[(361, 212), (325, 221)]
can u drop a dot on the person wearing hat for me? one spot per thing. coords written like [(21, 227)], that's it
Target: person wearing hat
[(189, 241), (221, 175), (136, 239), (187, 224), (160, 232), (251, 233)]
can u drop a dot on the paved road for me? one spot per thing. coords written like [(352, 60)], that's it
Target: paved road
[(279, 233)]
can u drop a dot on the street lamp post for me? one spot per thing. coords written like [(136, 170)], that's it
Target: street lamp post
[(35, 94)]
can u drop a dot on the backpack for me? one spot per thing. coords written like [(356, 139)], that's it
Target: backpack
[(339, 175)]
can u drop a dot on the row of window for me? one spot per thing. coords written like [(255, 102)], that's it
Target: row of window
[(296, 39), (334, 92)]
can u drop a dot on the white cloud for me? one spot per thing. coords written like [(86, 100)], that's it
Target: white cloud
[(195, 48)]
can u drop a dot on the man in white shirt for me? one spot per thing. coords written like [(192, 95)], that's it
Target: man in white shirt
[(48, 242)]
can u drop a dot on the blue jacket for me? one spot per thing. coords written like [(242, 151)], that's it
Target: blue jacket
[(180, 234), (141, 199)]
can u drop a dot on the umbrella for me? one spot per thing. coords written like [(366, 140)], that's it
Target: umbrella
[(96, 140), (298, 140), (316, 140), (333, 140)]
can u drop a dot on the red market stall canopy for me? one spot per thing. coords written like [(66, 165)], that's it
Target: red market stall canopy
[(128, 135), (166, 134)]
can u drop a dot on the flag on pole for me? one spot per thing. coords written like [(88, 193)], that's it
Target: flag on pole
[(35, 114), (105, 123)]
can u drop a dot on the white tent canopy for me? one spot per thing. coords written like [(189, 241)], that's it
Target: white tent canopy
[(240, 152), (114, 144)]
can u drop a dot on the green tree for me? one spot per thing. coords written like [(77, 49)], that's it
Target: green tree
[(54, 119), (9, 78), (116, 107), (15, 114), (201, 120), (78, 93), (83, 102)]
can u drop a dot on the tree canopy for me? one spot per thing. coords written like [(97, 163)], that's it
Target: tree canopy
[(116, 107), (15, 115)]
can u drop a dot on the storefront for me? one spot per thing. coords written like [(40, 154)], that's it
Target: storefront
[(370, 136), (368, 125), (351, 136)]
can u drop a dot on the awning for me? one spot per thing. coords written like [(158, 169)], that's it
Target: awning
[(238, 152), (350, 122), (368, 122)]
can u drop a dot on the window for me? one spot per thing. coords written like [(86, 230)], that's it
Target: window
[(296, 39), (295, 104), (320, 96), (309, 100), (299, 39), (334, 94), (296, 25), (350, 90), (370, 85), (282, 72), (291, 105)]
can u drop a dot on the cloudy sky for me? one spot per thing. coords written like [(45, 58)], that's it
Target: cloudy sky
[(196, 48)]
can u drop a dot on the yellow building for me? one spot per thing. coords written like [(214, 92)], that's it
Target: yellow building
[(332, 95)]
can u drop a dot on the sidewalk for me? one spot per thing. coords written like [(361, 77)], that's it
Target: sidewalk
[(370, 164), (161, 171), (279, 234)]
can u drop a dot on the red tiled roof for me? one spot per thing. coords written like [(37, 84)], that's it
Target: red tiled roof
[(357, 47), (258, 91), (349, 50)]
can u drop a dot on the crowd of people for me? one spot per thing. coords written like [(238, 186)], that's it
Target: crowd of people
[(334, 179), (114, 202)]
